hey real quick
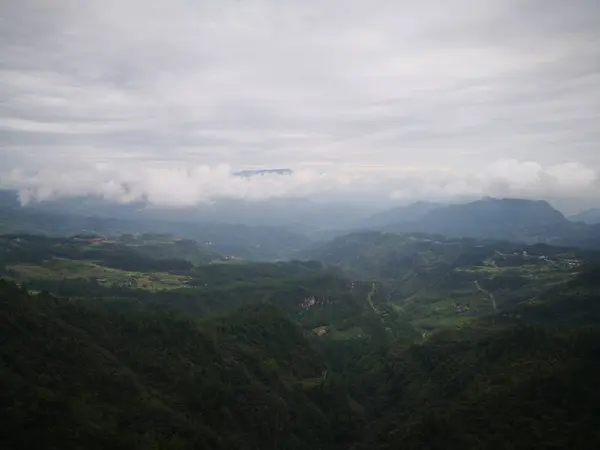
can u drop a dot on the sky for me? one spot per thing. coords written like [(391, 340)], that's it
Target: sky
[(165, 100)]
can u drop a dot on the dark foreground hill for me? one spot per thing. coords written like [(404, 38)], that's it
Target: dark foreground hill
[(75, 376)]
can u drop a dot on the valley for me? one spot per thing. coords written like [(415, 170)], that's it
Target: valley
[(426, 283), (369, 340)]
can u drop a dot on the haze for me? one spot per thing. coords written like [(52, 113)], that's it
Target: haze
[(167, 100)]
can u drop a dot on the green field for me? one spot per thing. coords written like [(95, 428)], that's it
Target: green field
[(66, 269)]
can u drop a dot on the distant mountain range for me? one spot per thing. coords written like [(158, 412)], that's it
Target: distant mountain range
[(277, 226), (299, 214), (400, 214), (251, 173), (517, 220), (589, 216)]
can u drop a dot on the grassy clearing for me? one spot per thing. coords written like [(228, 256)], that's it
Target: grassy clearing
[(443, 307), (229, 261), (347, 334), (311, 383), (433, 324), (486, 270), (67, 269)]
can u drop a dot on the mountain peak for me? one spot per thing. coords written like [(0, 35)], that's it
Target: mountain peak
[(589, 216), (255, 172), (512, 201), (515, 219), (401, 214)]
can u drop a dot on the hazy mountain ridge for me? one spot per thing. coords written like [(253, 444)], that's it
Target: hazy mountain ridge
[(400, 214), (297, 214), (277, 229), (589, 216), (519, 220), (228, 239)]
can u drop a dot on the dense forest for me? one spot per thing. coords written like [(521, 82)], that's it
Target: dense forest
[(339, 353)]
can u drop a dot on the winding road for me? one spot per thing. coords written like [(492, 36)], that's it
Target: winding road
[(370, 297), (489, 294)]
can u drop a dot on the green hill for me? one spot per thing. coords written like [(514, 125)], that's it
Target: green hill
[(443, 282), (79, 378), (392, 341), (75, 376)]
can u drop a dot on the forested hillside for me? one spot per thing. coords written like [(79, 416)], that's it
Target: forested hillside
[(78, 378), (389, 341)]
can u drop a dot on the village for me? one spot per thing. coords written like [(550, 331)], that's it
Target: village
[(559, 261)]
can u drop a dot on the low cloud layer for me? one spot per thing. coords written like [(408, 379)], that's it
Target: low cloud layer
[(167, 99), (162, 185), (509, 178)]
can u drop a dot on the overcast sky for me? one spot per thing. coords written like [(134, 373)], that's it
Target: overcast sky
[(166, 99)]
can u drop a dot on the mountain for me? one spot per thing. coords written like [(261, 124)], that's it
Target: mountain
[(81, 378), (252, 173), (439, 282), (590, 216), (229, 239), (400, 214), (481, 388), (301, 215), (9, 200), (78, 376), (503, 219)]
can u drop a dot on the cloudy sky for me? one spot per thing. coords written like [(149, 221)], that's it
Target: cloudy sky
[(167, 99)]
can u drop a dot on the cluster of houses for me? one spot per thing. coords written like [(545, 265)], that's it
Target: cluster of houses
[(460, 309), (568, 263), (131, 283), (308, 302)]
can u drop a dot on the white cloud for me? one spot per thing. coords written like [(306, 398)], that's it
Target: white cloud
[(169, 186), (444, 87), (178, 185), (508, 178)]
